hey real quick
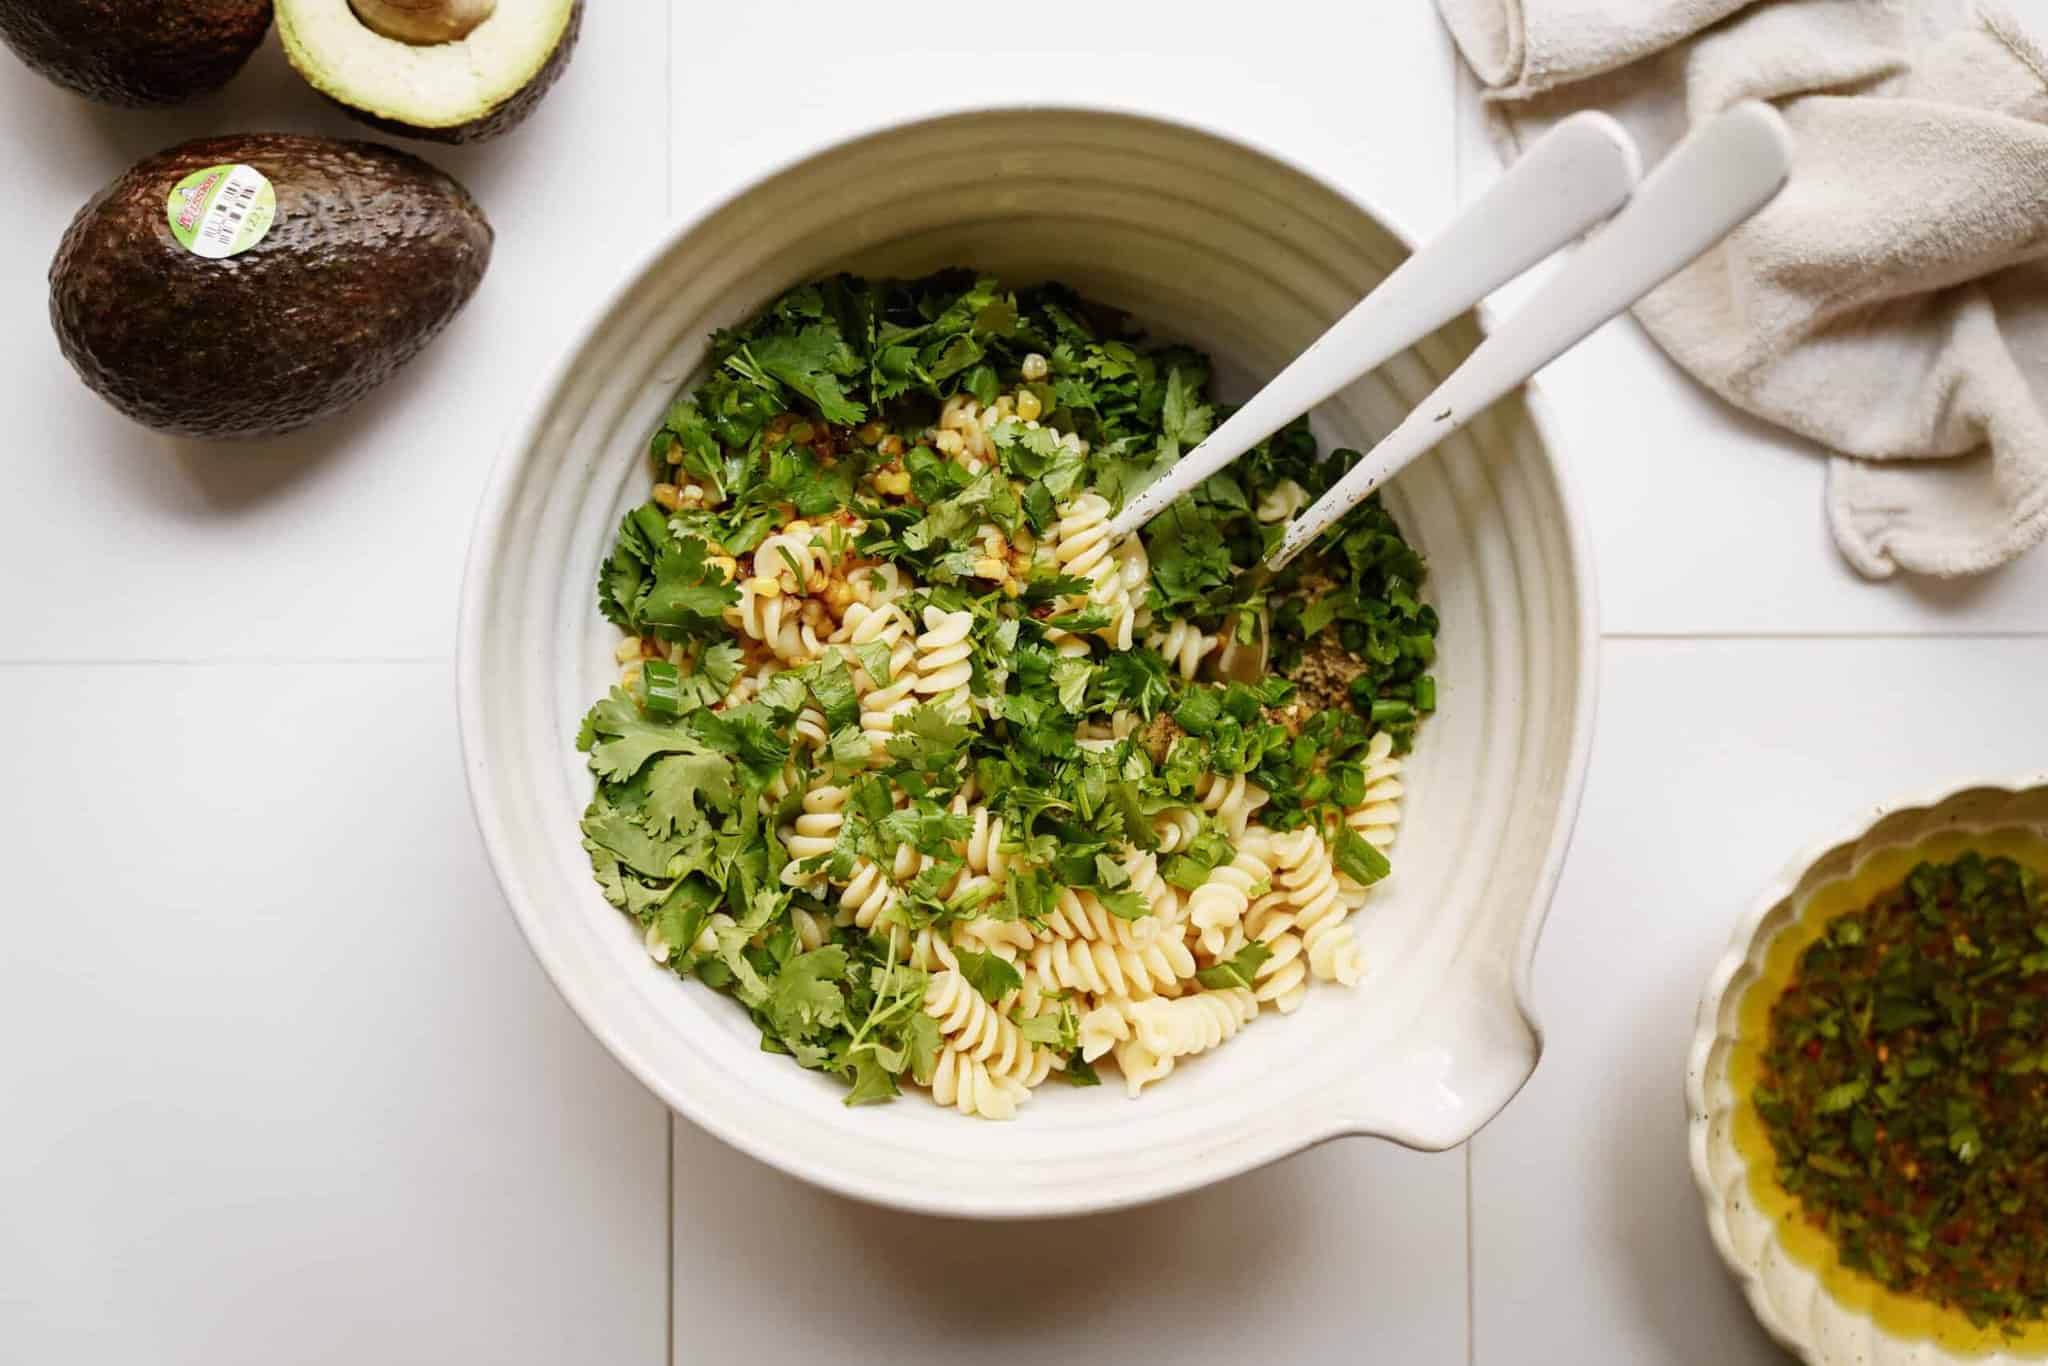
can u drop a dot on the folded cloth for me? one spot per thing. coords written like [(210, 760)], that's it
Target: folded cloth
[(1892, 303)]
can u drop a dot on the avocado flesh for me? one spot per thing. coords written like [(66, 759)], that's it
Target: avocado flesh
[(137, 53), (462, 91), (372, 253)]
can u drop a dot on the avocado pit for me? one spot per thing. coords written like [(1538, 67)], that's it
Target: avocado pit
[(423, 22)]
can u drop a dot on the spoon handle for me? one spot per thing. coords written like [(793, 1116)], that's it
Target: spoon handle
[(1573, 177), (1726, 170)]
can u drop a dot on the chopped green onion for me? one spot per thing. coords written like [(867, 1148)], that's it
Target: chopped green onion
[(1387, 710), (663, 688), (1425, 693)]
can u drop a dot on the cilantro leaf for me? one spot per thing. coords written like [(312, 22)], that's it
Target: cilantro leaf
[(1237, 972), (993, 977), (688, 594), (620, 740), (815, 361), (874, 659), (831, 683), (804, 998), (926, 737), (679, 785), (609, 828)]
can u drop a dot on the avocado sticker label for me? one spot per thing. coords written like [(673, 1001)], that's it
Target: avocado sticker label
[(221, 210)]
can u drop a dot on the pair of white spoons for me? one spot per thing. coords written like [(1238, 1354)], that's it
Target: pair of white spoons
[(1576, 175)]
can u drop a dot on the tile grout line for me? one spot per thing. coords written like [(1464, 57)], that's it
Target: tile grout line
[(668, 1299), (1471, 1267)]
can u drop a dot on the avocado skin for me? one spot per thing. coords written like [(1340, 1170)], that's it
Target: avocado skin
[(502, 119), (372, 253), (139, 53)]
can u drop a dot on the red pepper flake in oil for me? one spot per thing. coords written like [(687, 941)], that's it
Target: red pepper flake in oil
[(1905, 1089)]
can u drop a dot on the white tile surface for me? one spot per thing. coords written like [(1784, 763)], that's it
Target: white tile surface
[(346, 539), (1716, 764), (1352, 1252), (294, 1080), (1360, 92), (281, 1081)]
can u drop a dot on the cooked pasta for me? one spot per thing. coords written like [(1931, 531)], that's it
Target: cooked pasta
[(1377, 815), (1310, 883), (1192, 1024), (943, 669), (1216, 909), (1231, 800), (1184, 644), (1084, 550), (931, 770), (1281, 981)]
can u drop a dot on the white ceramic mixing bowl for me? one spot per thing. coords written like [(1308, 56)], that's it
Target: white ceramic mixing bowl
[(1203, 239)]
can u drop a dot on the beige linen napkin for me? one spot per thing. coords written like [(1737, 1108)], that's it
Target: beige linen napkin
[(1892, 303)]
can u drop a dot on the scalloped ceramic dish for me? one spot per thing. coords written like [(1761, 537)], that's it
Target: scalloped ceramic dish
[(1828, 1315), (1203, 239)]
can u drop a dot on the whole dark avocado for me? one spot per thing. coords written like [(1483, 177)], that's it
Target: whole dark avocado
[(453, 90), (372, 252), (138, 53)]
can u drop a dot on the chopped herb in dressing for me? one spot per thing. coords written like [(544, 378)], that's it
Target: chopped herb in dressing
[(1905, 1089)]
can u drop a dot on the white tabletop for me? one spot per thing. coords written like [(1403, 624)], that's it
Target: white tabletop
[(280, 1081)]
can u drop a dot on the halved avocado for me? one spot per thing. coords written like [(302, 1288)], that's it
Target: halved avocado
[(480, 81), (139, 53)]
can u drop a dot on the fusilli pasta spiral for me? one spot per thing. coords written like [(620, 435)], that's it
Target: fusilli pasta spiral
[(1184, 644), (963, 1084), (1083, 547), (1282, 980), (1216, 908), (943, 668), (1310, 881), (1231, 800), (1192, 1024)]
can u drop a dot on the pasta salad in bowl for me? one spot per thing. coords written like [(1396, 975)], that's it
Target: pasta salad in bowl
[(919, 762), (833, 755)]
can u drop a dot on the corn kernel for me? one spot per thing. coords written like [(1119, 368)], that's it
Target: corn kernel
[(628, 650), (726, 565), (1028, 406), (765, 587), (839, 596), (890, 445), (630, 674), (893, 482), (869, 432), (1034, 367), (989, 567), (669, 496), (949, 443)]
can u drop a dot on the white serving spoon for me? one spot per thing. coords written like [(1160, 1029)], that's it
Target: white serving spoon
[(1726, 170), (1573, 177)]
